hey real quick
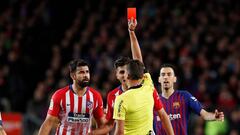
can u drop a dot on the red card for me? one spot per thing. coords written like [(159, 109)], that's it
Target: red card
[(131, 12)]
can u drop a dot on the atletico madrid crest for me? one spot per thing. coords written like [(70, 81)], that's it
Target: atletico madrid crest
[(89, 104)]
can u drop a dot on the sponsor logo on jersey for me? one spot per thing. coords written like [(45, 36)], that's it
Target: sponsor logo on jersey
[(174, 116), (78, 117)]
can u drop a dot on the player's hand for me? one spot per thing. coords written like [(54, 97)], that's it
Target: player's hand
[(132, 23), (2, 132), (219, 116)]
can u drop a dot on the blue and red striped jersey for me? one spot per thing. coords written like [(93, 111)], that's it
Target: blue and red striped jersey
[(178, 106)]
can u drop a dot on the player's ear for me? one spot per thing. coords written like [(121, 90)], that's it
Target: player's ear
[(72, 75), (175, 79), (159, 79)]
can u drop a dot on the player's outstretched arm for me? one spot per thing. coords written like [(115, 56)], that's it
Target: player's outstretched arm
[(166, 121), (217, 116), (135, 48), (49, 123)]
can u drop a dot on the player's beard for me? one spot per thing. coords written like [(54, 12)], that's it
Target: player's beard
[(83, 83), (166, 88)]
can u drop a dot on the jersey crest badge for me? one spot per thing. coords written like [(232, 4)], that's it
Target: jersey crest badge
[(176, 105)]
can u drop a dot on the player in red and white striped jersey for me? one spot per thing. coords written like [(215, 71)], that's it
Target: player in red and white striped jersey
[(72, 107), (119, 66)]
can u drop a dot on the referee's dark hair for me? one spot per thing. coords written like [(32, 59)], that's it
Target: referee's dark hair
[(76, 63), (135, 70)]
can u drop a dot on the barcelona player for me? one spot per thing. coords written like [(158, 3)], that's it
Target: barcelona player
[(179, 104)]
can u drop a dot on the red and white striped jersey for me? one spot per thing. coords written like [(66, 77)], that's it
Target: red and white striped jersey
[(110, 101), (75, 112)]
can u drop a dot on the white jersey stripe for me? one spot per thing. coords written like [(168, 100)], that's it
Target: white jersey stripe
[(117, 93), (68, 131), (60, 130), (75, 103), (68, 104), (84, 100)]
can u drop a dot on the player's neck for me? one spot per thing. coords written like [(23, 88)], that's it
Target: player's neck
[(124, 87), (78, 90), (133, 83), (167, 93)]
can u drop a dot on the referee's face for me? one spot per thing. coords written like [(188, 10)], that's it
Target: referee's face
[(121, 74), (167, 78)]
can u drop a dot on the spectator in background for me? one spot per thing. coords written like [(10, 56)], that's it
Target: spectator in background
[(36, 110)]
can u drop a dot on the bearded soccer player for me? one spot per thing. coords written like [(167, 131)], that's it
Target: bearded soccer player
[(73, 106), (2, 132), (179, 104)]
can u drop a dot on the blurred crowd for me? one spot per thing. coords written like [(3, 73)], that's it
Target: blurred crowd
[(39, 38)]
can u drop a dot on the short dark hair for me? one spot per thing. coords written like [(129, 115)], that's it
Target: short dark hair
[(168, 65), (121, 61), (76, 63), (135, 70)]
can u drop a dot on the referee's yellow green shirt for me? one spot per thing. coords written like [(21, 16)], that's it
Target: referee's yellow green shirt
[(135, 107)]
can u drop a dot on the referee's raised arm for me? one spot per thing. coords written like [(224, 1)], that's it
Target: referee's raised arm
[(135, 48)]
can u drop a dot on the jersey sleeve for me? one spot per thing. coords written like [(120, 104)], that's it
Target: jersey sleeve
[(119, 109), (98, 111), (157, 102), (109, 114), (193, 103), (54, 106)]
